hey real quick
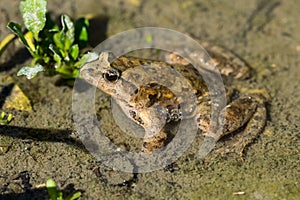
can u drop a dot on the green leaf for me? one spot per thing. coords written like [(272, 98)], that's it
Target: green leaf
[(29, 71), (75, 73), (59, 39), (60, 196), (52, 190), (68, 28), (74, 196), (81, 32), (83, 37), (64, 72), (74, 51), (34, 15), (88, 57), (57, 59), (2, 115), (9, 117), (56, 54), (65, 38), (5, 42), (17, 29)]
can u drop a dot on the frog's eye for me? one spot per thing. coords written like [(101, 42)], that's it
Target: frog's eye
[(111, 75)]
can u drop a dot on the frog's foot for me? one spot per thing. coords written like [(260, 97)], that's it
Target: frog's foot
[(154, 142), (247, 111)]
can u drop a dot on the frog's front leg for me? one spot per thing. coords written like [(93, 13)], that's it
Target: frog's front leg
[(154, 121), (248, 111), (154, 141)]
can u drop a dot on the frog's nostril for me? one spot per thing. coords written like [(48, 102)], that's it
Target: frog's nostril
[(111, 75)]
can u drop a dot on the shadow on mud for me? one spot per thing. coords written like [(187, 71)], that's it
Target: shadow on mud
[(39, 193), (38, 134)]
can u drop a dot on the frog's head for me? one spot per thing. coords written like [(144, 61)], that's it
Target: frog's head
[(101, 74)]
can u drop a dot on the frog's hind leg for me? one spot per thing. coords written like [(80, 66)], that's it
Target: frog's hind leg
[(253, 128), (227, 63), (248, 111)]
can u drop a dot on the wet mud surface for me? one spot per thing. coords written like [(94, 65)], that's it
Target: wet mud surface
[(43, 143)]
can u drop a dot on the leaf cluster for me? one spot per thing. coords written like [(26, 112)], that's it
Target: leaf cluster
[(55, 49)]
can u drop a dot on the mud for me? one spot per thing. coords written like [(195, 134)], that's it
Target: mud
[(44, 142)]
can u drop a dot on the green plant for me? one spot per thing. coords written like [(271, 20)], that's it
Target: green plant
[(6, 40), (54, 194), (5, 118), (54, 49)]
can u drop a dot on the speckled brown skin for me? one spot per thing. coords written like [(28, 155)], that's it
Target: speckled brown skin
[(153, 105), (227, 62)]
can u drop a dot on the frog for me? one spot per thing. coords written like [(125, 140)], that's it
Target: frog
[(156, 106)]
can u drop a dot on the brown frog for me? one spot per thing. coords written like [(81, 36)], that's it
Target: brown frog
[(153, 105)]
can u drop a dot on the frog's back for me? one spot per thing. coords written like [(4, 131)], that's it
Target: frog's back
[(189, 72)]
